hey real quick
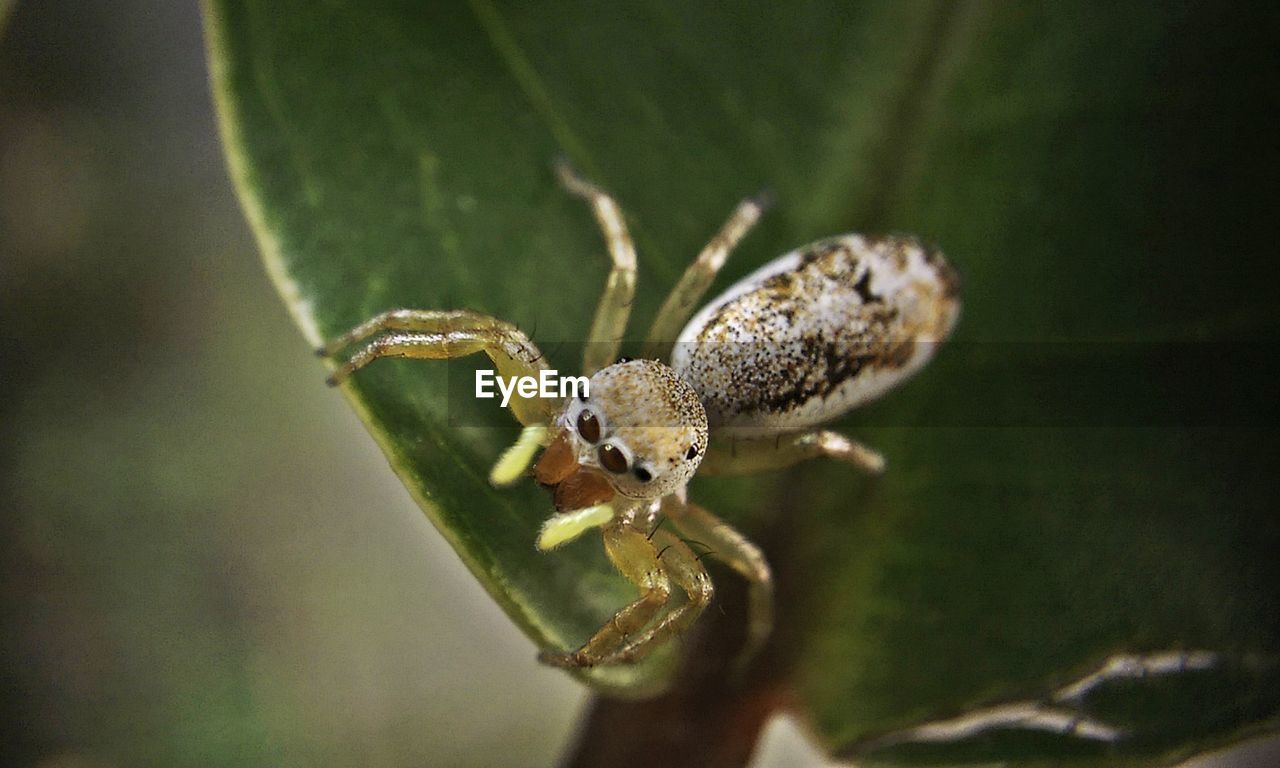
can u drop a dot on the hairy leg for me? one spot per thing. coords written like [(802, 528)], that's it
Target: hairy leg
[(652, 563), (684, 297), (729, 546), (684, 568), (748, 456), (420, 320), (636, 557), (614, 308), (446, 335)]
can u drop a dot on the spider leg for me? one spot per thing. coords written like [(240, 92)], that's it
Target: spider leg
[(687, 571), (637, 559), (447, 335), (422, 320), (614, 308), (652, 564), (729, 546), (761, 454), (684, 297)]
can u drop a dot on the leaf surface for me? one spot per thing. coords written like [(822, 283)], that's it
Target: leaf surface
[(1086, 474)]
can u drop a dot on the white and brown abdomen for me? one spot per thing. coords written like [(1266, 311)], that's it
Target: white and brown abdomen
[(818, 332)]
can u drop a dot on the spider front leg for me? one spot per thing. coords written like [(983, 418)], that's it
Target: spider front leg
[(444, 334), (726, 544), (614, 307), (653, 563), (761, 454), (423, 320)]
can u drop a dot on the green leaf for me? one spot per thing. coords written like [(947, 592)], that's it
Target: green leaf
[(1084, 474), (6, 9)]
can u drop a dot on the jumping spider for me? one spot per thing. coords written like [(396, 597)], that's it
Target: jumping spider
[(799, 342)]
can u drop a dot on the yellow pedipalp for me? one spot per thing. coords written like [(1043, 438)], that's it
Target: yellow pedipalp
[(516, 459), (568, 526)]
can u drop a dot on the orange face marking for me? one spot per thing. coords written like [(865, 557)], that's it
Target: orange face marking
[(571, 485), (582, 489), (557, 462)]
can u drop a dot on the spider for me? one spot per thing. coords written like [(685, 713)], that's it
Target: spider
[(804, 339)]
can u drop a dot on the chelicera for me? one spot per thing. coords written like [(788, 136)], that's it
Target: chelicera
[(744, 388)]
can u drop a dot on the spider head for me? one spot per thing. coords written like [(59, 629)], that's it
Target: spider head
[(640, 435)]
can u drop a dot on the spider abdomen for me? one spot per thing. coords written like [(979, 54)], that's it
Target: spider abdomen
[(817, 332)]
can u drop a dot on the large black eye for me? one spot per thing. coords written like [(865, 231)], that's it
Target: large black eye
[(642, 474), (588, 426), (612, 459), (691, 453)]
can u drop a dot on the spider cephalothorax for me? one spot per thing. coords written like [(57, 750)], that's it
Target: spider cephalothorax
[(804, 339), (642, 432)]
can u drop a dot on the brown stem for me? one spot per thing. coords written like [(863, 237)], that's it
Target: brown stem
[(704, 720)]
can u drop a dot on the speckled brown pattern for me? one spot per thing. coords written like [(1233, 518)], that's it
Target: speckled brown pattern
[(818, 332)]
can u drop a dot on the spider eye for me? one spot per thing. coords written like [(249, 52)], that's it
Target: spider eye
[(588, 426), (642, 474), (691, 453), (612, 459)]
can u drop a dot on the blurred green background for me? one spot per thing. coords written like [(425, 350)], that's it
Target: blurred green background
[(205, 559)]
